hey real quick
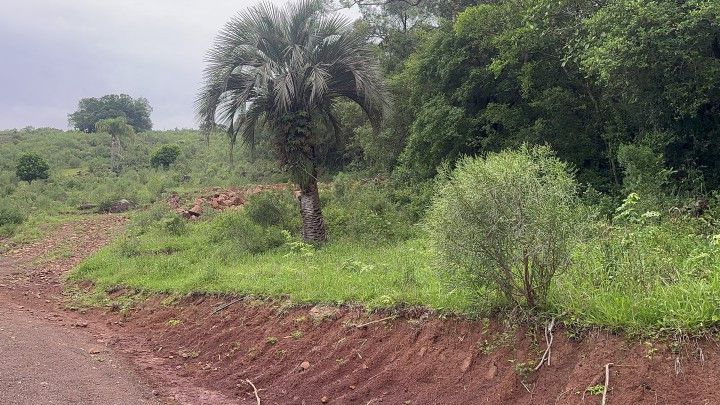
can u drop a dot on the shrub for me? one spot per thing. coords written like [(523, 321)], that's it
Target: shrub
[(507, 221), (365, 210), (644, 173), (32, 167), (235, 228), (274, 208), (165, 156), (175, 225), (11, 216)]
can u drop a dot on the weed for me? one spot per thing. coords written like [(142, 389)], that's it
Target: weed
[(523, 369), (595, 389)]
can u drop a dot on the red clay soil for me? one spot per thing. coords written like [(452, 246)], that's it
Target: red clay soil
[(191, 352)]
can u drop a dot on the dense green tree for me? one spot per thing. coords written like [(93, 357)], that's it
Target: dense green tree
[(658, 65), (283, 70), (583, 76), (164, 156), (32, 167), (116, 128), (91, 110)]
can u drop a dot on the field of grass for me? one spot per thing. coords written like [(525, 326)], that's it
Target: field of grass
[(377, 277), (80, 172), (639, 279)]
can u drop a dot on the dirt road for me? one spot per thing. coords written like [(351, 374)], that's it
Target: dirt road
[(46, 363), (47, 355)]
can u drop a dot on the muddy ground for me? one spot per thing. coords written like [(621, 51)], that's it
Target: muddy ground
[(196, 350)]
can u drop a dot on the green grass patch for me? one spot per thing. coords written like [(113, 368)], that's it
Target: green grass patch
[(381, 276), (640, 279)]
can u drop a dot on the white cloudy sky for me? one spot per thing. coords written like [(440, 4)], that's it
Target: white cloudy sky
[(54, 52)]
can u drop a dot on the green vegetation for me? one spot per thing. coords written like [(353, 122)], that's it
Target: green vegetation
[(508, 221), (32, 167), (93, 110), (80, 173), (164, 156), (116, 127), (452, 198), (645, 274)]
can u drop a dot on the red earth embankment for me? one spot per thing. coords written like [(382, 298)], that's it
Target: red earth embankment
[(311, 355)]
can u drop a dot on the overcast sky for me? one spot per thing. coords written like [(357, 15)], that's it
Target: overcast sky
[(55, 52)]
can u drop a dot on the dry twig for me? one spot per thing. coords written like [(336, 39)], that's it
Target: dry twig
[(607, 382), (223, 306), (548, 340), (375, 321), (255, 390)]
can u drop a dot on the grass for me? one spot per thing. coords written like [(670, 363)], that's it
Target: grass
[(649, 279), (639, 278), (383, 276), (33, 229)]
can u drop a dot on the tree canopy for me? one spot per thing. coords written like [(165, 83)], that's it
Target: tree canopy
[(585, 77), (32, 167), (91, 110)]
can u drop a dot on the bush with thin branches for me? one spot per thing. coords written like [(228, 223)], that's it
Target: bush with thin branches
[(507, 221)]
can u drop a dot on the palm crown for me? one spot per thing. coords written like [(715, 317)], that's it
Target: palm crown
[(281, 68)]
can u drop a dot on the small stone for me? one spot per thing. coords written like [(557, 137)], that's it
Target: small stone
[(422, 351), (305, 365), (94, 350), (324, 400), (466, 364), (491, 372)]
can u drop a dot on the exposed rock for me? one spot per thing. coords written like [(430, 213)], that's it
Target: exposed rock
[(491, 372), (121, 206)]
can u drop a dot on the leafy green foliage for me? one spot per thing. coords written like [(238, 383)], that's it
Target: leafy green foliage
[(164, 156), (508, 221), (584, 77), (273, 208), (92, 110), (10, 216), (240, 234), (365, 210), (32, 167), (117, 126)]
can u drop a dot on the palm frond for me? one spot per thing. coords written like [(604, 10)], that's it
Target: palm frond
[(268, 62)]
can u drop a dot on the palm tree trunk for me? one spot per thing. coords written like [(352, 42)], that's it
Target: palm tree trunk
[(114, 153), (313, 224)]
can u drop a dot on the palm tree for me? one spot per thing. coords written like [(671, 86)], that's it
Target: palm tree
[(282, 70), (116, 127)]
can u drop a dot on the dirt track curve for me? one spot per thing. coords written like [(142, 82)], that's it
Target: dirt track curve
[(48, 356)]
